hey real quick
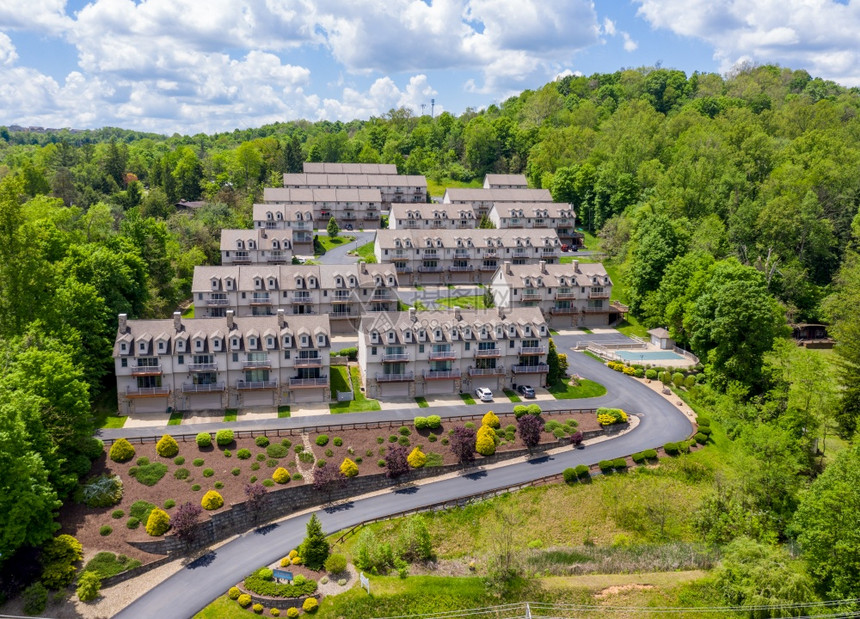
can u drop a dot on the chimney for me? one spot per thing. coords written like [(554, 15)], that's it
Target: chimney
[(123, 323), (281, 318), (576, 266), (177, 321), (542, 264), (362, 265), (501, 312), (458, 315), (413, 314), (507, 267), (230, 323)]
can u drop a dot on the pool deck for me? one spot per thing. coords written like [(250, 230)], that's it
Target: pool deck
[(636, 356)]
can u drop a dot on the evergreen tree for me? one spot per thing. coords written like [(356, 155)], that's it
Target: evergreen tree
[(315, 549), (554, 373), (332, 228)]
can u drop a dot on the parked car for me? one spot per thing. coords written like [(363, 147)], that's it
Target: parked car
[(484, 394), (349, 226), (526, 391), (565, 247)]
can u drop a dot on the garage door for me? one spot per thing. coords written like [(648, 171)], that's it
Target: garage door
[(150, 405), (490, 382), (204, 401), (258, 398), (437, 387), (394, 390), (307, 395)]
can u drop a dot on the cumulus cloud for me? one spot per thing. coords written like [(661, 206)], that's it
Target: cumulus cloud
[(818, 35), (8, 55), (382, 96)]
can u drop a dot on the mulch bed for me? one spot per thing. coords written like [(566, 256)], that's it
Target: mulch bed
[(84, 522)]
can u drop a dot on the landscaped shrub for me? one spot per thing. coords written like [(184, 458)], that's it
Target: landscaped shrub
[(420, 423), (581, 471), (690, 382), (224, 437), (268, 483), (117, 514), (142, 461), (219, 485), (181, 473), (236, 472), (638, 457), (195, 487), (629, 371), (105, 530), (261, 441), (650, 454), (639, 373), (204, 439), (434, 422), (701, 438), (132, 523), (665, 377), (335, 564), (306, 457), (492, 420), (121, 451), (169, 503), (258, 608), (678, 379), (576, 438), (275, 612), (35, 598), (149, 474), (321, 463), (416, 458), (470, 425), (158, 522), (292, 612), (244, 600), (348, 468), (485, 441), (257, 583), (706, 430), (350, 353), (322, 440), (103, 491), (671, 449), (234, 593), (533, 409), (276, 451), (286, 443), (281, 475), (243, 454), (211, 500), (651, 374), (89, 585), (310, 605), (404, 431), (337, 441), (703, 421), (403, 441), (167, 447), (606, 465), (569, 475), (610, 416), (198, 462), (179, 460), (208, 472), (619, 464)]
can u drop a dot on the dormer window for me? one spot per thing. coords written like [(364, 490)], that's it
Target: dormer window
[(258, 283), (374, 337), (407, 336), (240, 245), (214, 284), (161, 347), (312, 282), (543, 330), (422, 334), (438, 334), (320, 340), (339, 282), (234, 343), (528, 330), (123, 347), (300, 283), (453, 334), (252, 342), (512, 332), (142, 347), (271, 282), (287, 341), (305, 341), (352, 282), (269, 215), (180, 346), (378, 281), (270, 342), (216, 344), (391, 336), (279, 216), (198, 344), (390, 281), (275, 245), (229, 283)]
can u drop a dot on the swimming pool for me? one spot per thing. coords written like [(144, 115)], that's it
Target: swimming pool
[(649, 355)]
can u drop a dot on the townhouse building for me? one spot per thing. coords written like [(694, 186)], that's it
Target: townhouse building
[(327, 167), (393, 188), (556, 215), (360, 208), (432, 217), (218, 363), (343, 292), (437, 257), (575, 294), (409, 354), (482, 199), (258, 246), (299, 218), (505, 181)]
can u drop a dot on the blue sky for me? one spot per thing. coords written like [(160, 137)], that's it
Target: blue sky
[(214, 65)]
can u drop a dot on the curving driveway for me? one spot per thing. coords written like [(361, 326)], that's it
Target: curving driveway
[(192, 588)]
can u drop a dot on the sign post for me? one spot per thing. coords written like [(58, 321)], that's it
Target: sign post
[(364, 582)]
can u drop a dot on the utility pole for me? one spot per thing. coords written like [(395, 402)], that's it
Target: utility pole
[(423, 105), (432, 108)]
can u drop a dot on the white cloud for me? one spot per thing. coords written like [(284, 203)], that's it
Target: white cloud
[(44, 16), (818, 35), (8, 55), (629, 44), (382, 96)]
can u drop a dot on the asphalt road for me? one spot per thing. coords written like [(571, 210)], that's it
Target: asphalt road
[(192, 588), (338, 255)]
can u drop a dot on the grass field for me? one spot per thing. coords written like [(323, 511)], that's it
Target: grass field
[(468, 399), (422, 402), (365, 252), (175, 418), (586, 389), (328, 243), (283, 412), (512, 395), (470, 302), (339, 383), (231, 414), (438, 189), (189, 313)]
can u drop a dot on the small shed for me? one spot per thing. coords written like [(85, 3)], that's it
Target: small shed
[(660, 338)]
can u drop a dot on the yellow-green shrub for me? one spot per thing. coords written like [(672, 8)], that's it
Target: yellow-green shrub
[(281, 475), (629, 370), (275, 612), (258, 608), (416, 458), (293, 553), (212, 500), (485, 441), (121, 451), (234, 593), (285, 562), (310, 605), (292, 613), (492, 420), (348, 468), (167, 447), (158, 522), (244, 600), (296, 560)]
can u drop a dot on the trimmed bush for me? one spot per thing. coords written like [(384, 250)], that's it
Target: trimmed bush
[(261, 441), (258, 608), (610, 416), (651, 374), (581, 471), (335, 564), (404, 431), (276, 451), (169, 503), (89, 585), (281, 475), (224, 437), (492, 420), (105, 530), (671, 449), (158, 522), (416, 459), (117, 514), (520, 410), (403, 441), (243, 454), (234, 593), (244, 600), (310, 605), (179, 460), (275, 612), (236, 472), (434, 422), (420, 423), (690, 382), (132, 523), (286, 443), (703, 421), (195, 487), (348, 468), (322, 440), (337, 441), (292, 613), (606, 465), (485, 441), (121, 451), (533, 409), (569, 475), (198, 462), (103, 491), (204, 439), (35, 598), (706, 430), (211, 500), (149, 474), (650, 454), (167, 447), (700, 438), (181, 474), (638, 457), (268, 483), (208, 472), (678, 379), (619, 464)]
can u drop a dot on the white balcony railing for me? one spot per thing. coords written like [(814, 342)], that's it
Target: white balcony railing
[(394, 378), (199, 388), (441, 374), (263, 384)]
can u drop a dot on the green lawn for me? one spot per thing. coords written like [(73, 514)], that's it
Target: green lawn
[(586, 389), (324, 243), (438, 189), (189, 313), (593, 356), (231, 414), (283, 412), (223, 607), (422, 402), (471, 302), (175, 418), (112, 421), (467, 398), (104, 411), (512, 395), (365, 252), (339, 380)]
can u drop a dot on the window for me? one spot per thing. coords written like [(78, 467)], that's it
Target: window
[(286, 354), (234, 343), (510, 343), (198, 344), (252, 342), (180, 360), (235, 357), (421, 349), (468, 345), (123, 347), (373, 350), (270, 342), (305, 340), (320, 340), (123, 362)]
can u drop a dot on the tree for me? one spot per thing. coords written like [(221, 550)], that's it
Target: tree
[(185, 520), (529, 428), (845, 328), (314, 550), (486, 223), (826, 526), (656, 244), (554, 374), (463, 444), (332, 228), (89, 585), (328, 478), (413, 540), (255, 498), (396, 462), (293, 156)]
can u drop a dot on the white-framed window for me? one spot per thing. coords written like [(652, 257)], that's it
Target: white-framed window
[(123, 347), (305, 341), (234, 343), (142, 347), (320, 340), (252, 342), (270, 342)]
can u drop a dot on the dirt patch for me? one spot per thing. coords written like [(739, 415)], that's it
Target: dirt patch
[(619, 589), (364, 446)]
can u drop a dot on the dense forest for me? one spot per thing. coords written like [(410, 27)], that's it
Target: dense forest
[(729, 205)]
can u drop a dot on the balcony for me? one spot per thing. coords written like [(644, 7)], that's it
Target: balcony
[(441, 374), (486, 353), (532, 296), (301, 297), (496, 371), (430, 255), (146, 370), (342, 297), (257, 365), (402, 268), (279, 256), (348, 217), (443, 355), (395, 358), (261, 298), (598, 295), (208, 388), (549, 251), (566, 295), (303, 238), (147, 392), (596, 310), (213, 300), (244, 385), (564, 311), (382, 295), (306, 383), (241, 257), (461, 269), (491, 252), (437, 269), (533, 350), (461, 253), (341, 313), (307, 362), (202, 367), (371, 216), (395, 378), (521, 252), (302, 225), (489, 267), (399, 253), (540, 368)]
